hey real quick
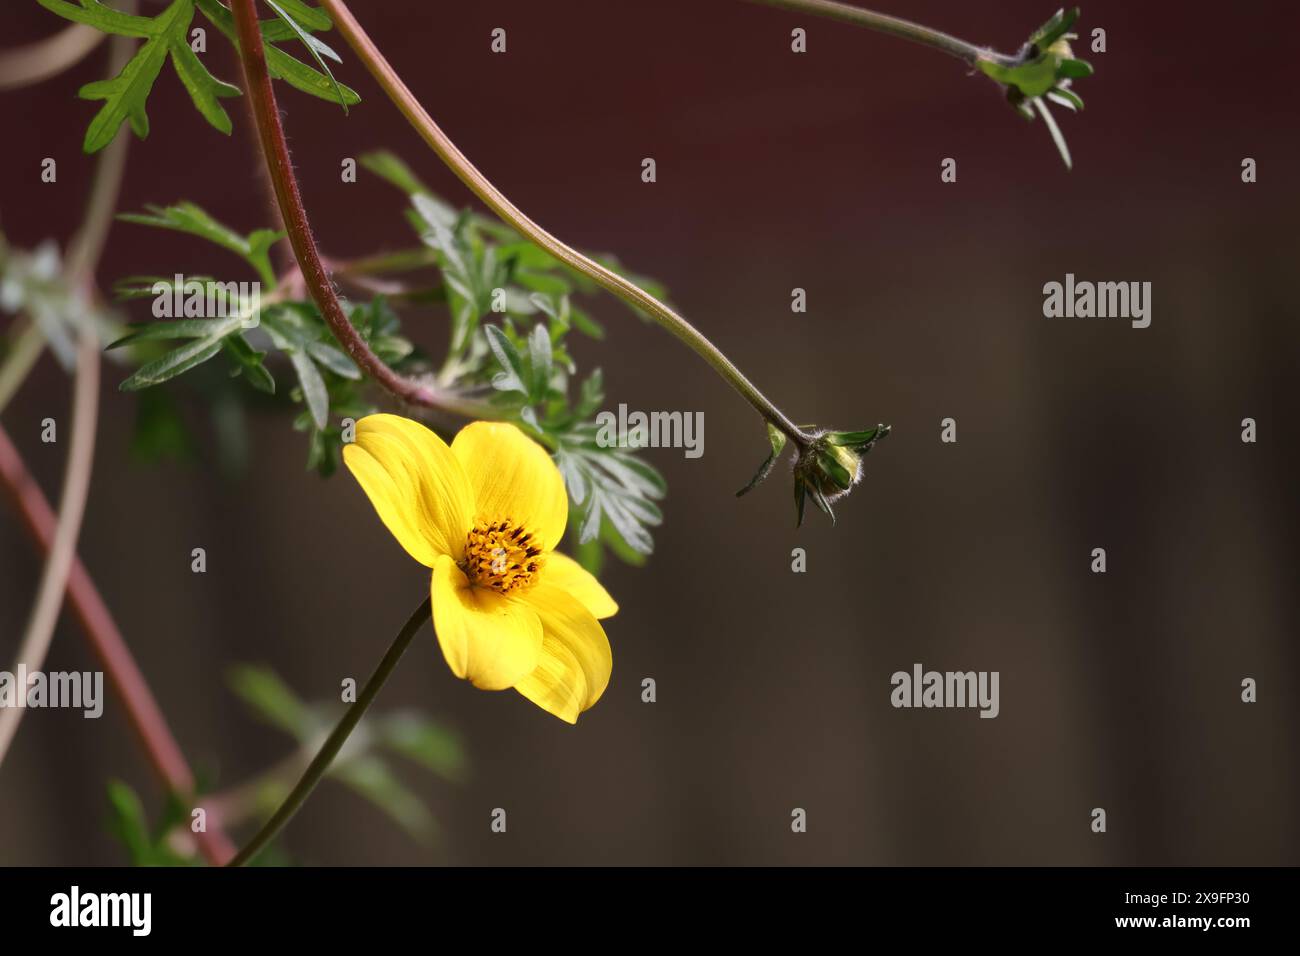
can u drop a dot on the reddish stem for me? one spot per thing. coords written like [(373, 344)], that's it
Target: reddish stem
[(275, 149), (106, 640)]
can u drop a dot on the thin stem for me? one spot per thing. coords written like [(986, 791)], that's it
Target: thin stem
[(337, 738), (894, 26), (82, 258), (233, 806), (26, 349), (49, 57), (275, 149), (106, 640), (403, 260), (496, 200), (72, 506)]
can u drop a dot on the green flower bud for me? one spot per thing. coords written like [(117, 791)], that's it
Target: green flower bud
[(831, 465)]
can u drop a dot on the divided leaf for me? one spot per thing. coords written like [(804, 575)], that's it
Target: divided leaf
[(167, 36), (281, 65), (254, 248), (125, 96)]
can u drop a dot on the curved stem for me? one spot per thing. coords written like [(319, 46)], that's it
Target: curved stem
[(894, 26), (337, 738), (79, 268), (438, 141), (49, 57), (72, 506), (25, 349), (109, 646), (275, 149)]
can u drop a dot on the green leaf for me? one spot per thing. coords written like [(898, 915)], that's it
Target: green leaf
[(1076, 69), (371, 777), (1054, 29), (389, 167), (146, 287), (424, 742), (314, 392), (272, 699), (317, 49), (310, 17), (610, 486), (335, 360), (248, 361), (279, 64), (205, 89), (470, 268), (513, 376), (159, 430), (775, 438), (1033, 78), (190, 218), (163, 331), (126, 95), (1057, 137), (102, 18), (1065, 98), (539, 359), (188, 356), (128, 823), (835, 471), (592, 394), (853, 439)]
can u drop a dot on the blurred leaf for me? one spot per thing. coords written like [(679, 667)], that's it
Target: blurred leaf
[(1063, 97), (1054, 29), (389, 167), (129, 825), (1057, 137), (159, 430), (1076, 69), (423, 741), (272, 700), (371, 777)]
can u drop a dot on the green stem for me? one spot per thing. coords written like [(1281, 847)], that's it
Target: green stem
[(893, 26), (25, 349), (383, 263), (438, 141), (337, 738)]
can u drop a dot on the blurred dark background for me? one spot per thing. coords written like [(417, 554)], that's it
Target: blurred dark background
[(775, 170)]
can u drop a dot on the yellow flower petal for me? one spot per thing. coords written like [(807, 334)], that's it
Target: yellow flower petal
[(563, 572), (513, 479), (489, 639), (575, 663), (416, 484)]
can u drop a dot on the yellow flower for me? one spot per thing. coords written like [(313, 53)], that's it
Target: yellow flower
[(485, 515)]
